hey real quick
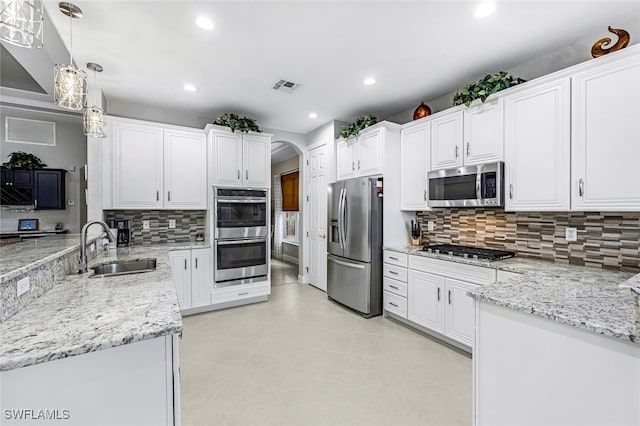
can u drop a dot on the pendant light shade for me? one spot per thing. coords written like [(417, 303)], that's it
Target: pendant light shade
[(70, 83), (93, 121), (21, 23)]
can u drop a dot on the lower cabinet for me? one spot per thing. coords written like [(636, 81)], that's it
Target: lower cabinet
[(424, 307), (191, 276)]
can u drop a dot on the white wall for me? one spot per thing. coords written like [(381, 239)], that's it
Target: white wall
[(70, 151), (289, 165)]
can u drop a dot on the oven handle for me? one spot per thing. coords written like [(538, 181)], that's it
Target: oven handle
[(230, 243), (247, 201)]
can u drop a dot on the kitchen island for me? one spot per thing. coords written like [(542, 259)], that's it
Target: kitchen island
[(103, 349)]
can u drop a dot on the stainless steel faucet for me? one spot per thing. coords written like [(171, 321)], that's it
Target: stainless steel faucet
[(82, 266)]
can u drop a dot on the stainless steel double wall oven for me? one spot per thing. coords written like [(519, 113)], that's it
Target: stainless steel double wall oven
[(240, 225)]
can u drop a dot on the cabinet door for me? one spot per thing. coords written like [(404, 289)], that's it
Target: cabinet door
[(138, 166), (605, 136), (345, 159), (460, 311), (483, 133), (201, 284), (226, 158), (21, 177), (424, 306), (370, 153), (257, 161), (446, 141), (537, 148), (185, 170), (181, 271), (414, 165), (49, 190)]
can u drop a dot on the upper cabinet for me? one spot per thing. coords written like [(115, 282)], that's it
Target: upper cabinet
[(155, 167), (362, 155), (605, 158), (446, 140), (239, 160), (415, 155), (537, 147)]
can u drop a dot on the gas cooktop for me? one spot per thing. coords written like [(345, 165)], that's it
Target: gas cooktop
[(469, 252)]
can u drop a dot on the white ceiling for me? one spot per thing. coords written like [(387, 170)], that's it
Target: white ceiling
[(415, 50)]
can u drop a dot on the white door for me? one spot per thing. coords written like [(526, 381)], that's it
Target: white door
[(226, 158), (345, 159), (138, 166), (185, 170), (180, 261), (446, 141), (537, 132), (414, 165), (257, 161), (370, 153), (424, 306), (605, 151), (483, 133), (201, 283), (317, 190), (460, 311)]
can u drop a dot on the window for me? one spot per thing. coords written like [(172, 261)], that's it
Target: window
[(291, 226)]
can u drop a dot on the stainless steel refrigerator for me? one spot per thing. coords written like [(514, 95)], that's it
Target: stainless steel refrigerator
[(354, 259)]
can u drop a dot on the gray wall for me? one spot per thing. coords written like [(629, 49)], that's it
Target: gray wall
[(70, 151)]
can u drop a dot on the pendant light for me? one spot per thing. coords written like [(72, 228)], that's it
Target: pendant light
[(70, 83), (93, 121), (21, 23)]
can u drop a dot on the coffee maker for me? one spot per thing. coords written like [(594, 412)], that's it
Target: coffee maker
[(124, 231)]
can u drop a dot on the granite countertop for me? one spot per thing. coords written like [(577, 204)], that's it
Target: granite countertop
[(589, 298), (82, 314)]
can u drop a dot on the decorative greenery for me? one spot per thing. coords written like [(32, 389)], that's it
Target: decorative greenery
[(234, 122), (360, 124), (485, 87), (22, 160)]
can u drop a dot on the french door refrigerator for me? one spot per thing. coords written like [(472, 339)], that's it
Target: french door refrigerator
[(354, 247)]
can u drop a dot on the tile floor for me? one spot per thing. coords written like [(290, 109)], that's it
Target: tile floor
[(301, 360)]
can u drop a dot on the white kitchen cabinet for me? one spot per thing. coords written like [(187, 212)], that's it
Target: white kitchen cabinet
[(459, 311), (185, 170), (137, 165), (483, 133), (446, 140), (362, 155), (537, 147), (239, 160), (190, 269), (424, 296), (394, 283), (415, 161), (605, 127)]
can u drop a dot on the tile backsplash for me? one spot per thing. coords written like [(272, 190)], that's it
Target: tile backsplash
[(606, 240), (188, 223)]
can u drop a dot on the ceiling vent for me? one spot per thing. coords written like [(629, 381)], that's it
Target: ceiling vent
[(285, 86)]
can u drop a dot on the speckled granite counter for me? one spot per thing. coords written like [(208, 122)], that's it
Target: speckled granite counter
[(82, 314), (587, 298)]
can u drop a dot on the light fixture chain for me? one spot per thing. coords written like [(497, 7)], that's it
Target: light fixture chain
[(71, 41)]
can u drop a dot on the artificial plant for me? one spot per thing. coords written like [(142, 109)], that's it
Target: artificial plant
[(361, 123), (23, 160), (235, 122), (485, 87)]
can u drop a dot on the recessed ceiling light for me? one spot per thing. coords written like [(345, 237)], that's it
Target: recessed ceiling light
[(485, 9), (313, 115), (189, 87), (204, 23), (369, 81)]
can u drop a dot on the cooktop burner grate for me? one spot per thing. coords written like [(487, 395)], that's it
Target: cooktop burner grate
[(469, 252)]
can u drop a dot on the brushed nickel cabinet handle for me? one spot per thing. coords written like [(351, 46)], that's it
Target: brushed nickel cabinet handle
[(394, 287), (196, 263), (185, 264), (168, 195), (358, 164), (244, 293), (438, 294), (238, 174), (425, 195), (246, 174), (581, 187), (393, 258), (393, 304), (393, 272), (511, 191), (457, 151), (468, 147), (449, 296), (157, 195), (353, 165)]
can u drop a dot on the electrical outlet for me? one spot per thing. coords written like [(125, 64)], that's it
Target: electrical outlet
[(146, 224), (431, 225), (23, 286), (172, 223), (571, 234)]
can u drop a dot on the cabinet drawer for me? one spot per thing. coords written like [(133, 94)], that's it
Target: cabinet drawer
[(450, 269), (394, 286), (239, 292), (394, 272), (395, 304), (394, 258)]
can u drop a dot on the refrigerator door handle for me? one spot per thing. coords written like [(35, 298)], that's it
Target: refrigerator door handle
[(343, 263), (340, 218), (344, 218)]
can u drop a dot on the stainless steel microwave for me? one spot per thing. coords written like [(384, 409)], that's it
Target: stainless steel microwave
[(470, 186)]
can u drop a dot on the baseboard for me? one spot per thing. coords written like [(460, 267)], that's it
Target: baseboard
[(303, 279), (432, 334), (223, 305)]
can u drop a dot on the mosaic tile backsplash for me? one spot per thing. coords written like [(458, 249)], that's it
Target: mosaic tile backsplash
[(188, 223), (605, 240)]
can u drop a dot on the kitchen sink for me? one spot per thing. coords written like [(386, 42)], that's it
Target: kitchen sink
[(124, 267)]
